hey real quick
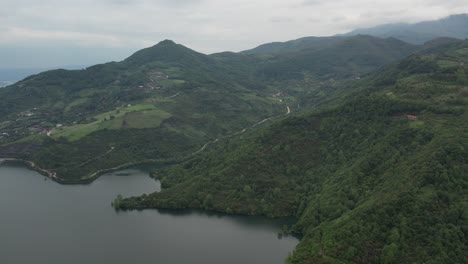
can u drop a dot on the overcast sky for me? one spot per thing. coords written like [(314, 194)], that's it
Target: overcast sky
[(50, 33)]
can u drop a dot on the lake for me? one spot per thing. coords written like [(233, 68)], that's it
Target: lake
[(44, 222)]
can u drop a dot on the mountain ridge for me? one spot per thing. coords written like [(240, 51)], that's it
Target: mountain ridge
[(362, 139), (418, 33), (378, 177)]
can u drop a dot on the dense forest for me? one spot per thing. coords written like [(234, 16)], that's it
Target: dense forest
[(166, 102), (362, 140), (379, 177)]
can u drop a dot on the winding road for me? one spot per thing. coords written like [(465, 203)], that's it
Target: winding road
[(53, 175), (242, 131), (172, 96), (33, 166), (96, 158)]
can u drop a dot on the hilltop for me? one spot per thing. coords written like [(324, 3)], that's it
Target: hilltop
[(361, 139), (453, 26), (377, 178), (168, 101)]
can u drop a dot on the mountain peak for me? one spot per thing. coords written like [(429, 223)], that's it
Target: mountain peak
[(458, 16), (165, 51), (453, 26), (166, 42)]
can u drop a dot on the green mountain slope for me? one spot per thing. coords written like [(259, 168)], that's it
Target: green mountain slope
[(454, 26), (168, 101), (337, 58), (380, 177), (162, 103), (294, 45)]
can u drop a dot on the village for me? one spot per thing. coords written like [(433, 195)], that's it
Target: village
[(26, 123)]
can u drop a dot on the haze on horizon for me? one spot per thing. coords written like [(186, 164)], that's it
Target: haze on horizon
[(52, 33)]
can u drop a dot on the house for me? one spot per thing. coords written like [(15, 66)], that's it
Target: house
[(412, 117)]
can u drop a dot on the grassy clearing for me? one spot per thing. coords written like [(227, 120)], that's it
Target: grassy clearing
[(171, 82), (4, 124), (447, 63), (76, 103), (391, 95), (89, 92), (416, 124), (75, 132), (461, 52), (135, 116), (145, 119)]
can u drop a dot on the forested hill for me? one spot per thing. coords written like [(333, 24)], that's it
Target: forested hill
[(147, 68), (380, 177), (453, 26), (164, 103), (334, 57)]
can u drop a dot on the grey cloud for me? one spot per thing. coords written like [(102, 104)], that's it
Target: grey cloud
[(204, 25), (338, 19), (281, 19), (124, 2), (162, 2), (312, 2), (319, 2)]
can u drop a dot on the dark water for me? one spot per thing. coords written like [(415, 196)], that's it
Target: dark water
[(44, 222)]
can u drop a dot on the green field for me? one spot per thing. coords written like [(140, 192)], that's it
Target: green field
[(77, 102), (135, 116)]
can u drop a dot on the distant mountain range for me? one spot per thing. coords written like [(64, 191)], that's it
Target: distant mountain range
[(5, 83), (220, 94), (376, 174), (10, 76), (454, 26), (362, 139)]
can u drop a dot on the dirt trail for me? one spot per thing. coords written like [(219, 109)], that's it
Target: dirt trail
[(33, 166), (96, 158), (172, 96), (53, 175), (288, 111)]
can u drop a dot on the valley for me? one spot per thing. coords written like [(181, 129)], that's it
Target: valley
[(361, 140), (121, 237)]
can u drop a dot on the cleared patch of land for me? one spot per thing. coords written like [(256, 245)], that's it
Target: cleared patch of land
[(135, 116)]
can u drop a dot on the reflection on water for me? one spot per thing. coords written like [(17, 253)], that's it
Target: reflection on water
[(55, 223)]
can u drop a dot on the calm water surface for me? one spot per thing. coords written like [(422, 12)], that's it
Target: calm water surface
[(45, 222)]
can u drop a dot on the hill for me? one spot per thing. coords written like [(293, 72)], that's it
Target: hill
[(454, 26), (335, 57), (161, 103), (164, 103), (377, 177), (294, 45)]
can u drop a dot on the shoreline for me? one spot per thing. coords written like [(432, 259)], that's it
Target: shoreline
[(83, 180), (33, 166), (95, 175)]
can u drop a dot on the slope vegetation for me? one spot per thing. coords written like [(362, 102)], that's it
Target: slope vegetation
[(453, 26), (379, 177), (164, 103)]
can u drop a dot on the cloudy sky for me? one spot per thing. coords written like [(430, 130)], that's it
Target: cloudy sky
[(51, 33)]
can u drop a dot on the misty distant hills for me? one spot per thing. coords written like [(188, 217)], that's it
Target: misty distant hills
[(362, 139), (294, 45), (454, 26), (10, 76), (329, 57)]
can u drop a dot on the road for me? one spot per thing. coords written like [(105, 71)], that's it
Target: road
[(288, 111)]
